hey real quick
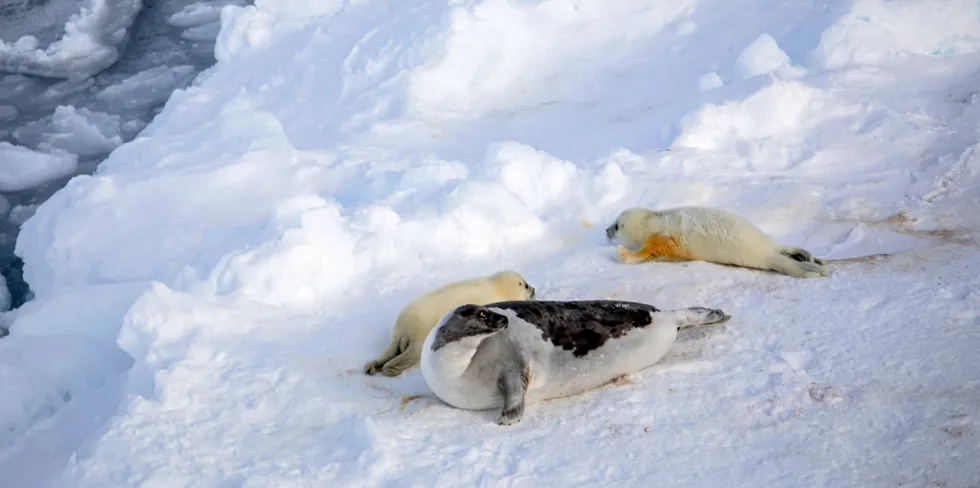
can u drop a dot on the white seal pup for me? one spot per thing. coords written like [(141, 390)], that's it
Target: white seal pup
[(419, 317), (505, 355), (706, 234)]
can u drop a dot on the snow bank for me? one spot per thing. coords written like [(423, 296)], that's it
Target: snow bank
[(22, 168), (58, 347), (882, 32), (92, 41), (265, 229), (501, 55)]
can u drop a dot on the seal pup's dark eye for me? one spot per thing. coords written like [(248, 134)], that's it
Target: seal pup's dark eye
[(482, 314), (616, 226)]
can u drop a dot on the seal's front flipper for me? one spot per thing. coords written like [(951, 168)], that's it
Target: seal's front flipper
[(513, 386)]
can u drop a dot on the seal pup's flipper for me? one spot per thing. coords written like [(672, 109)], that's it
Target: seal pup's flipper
[(513, 386), (788, 266), (396, 346), (408, 357)]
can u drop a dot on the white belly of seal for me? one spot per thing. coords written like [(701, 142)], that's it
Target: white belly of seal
[(557, 373)]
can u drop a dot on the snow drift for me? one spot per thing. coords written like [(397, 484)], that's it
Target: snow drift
[(248, 251)]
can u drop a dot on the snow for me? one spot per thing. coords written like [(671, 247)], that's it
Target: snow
[(92, 40), (206, 300), (763, 56), (710, 81)]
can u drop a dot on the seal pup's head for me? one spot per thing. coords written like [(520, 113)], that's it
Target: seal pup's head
[(512, 285), (631, 226), (468, 321)]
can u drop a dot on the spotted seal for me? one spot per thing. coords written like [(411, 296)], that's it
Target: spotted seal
[(506, 354)]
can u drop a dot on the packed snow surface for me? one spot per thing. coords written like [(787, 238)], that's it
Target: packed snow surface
[(206, 300)]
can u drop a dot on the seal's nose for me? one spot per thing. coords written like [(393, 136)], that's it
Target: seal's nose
[(533, 291), (610, 231)]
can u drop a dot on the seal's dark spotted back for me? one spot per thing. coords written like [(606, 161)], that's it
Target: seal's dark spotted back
[(581, 326)]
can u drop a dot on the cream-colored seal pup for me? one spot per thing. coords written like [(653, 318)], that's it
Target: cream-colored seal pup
[(419, 317), (706, 234), (505, 355)]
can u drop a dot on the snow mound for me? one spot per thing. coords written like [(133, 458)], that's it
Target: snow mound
[(764, 56), (710, 81), (880, 32), (240, 261), (777, 111), (502, 55), (75, 334), (22, 168), (92, 41)]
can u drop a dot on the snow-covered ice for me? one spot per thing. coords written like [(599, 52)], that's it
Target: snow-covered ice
[(105, 68), (158, 82), (22, 168), (211, 293), (91, 41), (73, 131)]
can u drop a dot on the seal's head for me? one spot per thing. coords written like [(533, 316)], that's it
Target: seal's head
[(468, 321), (627, 224), (512, 282)]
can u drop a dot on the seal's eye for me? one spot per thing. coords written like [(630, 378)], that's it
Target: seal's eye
[(482, 314), (616, 226)]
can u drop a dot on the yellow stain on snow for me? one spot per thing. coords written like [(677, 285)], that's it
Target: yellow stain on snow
[(406, 399)]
